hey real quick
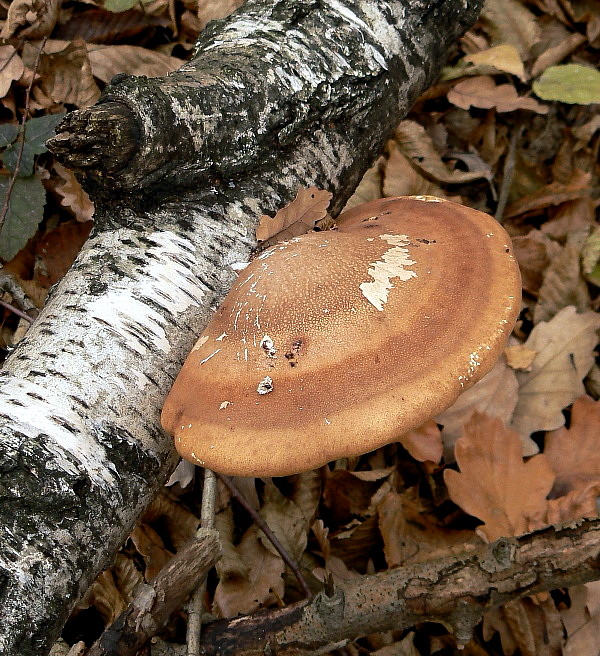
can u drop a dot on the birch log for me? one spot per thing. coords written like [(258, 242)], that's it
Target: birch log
[(283, 94)]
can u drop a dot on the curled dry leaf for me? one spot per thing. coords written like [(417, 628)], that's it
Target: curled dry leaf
[(107, 61), (262, 585), (582, 621), (424, 443), (519, 357), (495, 394), (565, 354), (557, 53), (574, 452), (494, 484), (150, 546), (551, 195), (213, 9), (73, 195), (563, 281), (482, 92), (30, 19), (370, 187), (417, 145), (11, 68), (66, 77), (296, 218), (401, 178), (510, 22), (534, 252), (499, 59)]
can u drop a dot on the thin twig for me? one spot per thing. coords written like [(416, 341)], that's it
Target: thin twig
[(21, 136), (16, 311), (509, 170), (260, 522), (196, 602), (19, 297)]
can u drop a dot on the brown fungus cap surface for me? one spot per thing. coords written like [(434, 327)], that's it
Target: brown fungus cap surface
[(335, 343)]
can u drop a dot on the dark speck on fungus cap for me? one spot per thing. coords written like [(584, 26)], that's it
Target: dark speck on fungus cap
[(335, 343)]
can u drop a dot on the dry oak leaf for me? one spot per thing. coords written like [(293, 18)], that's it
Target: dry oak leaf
[(73, 195), (11, 68), (574, 452), (296, 218), (262, 585), (494, 484), (578, 503), (565, 354), (495, 394), (481, 91)]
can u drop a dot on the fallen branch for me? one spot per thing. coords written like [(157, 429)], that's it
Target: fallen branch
[(454, 591)]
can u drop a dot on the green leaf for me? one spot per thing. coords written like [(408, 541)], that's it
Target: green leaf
[(117, 6), (25, 211), (37, 132), (569, 83), (8, 133)]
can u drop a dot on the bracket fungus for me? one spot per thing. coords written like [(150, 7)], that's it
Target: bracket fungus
[(334, 343)]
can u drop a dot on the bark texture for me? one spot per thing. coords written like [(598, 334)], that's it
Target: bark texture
[(283, 94)]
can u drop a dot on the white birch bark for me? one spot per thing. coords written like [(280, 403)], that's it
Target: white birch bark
[(81, 448)]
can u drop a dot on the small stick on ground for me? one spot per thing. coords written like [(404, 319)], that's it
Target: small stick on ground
[(260, 522), (196, 602)]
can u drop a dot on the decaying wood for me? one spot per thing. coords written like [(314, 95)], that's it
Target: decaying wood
[(154, 602), (454, 591), (283, 94)]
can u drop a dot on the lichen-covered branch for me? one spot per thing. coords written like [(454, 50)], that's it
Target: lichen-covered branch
[(81, 448), (454, 591)]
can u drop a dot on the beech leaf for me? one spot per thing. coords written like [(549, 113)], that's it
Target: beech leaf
[(11, 68), (494, 484), (569, 83), (565, 354), (296, 218), (424, 443)]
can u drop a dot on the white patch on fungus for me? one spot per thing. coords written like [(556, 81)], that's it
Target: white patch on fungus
[(265, 386), (267, 345), (221, 337), (224, 405), (391, 265), (428, 199)]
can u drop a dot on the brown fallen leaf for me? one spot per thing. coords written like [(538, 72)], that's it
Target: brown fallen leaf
[(553, 194), (510, 22), (481, 91), (11, 68), (495, 395), (30, 19), (580, 502), (261, 586), (416, 144), (213, 9), (534, 252), (73, 195), (107, 61), (494, 484), (557, 53), (564, 283), (503, 58), (401, 178), (582, 621), (152, 549), (296, 218), (424, 443), (574, 452), (370, 187), (565, 354), (66, 76), (519, 357)]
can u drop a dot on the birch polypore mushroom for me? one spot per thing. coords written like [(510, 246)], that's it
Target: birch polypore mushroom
[(335, 343)]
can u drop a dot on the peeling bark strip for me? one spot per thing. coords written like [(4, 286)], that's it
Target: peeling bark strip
[(285, 94), (454, 591)]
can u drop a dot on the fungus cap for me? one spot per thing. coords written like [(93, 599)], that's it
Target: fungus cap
[(334, 343)]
